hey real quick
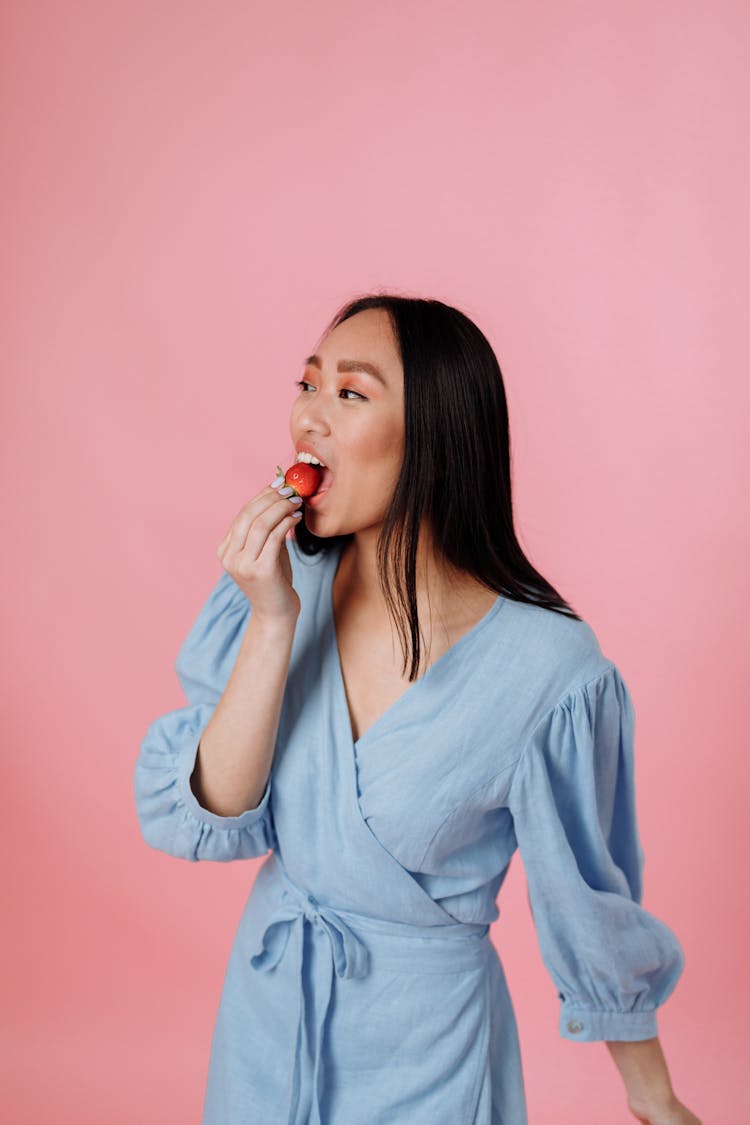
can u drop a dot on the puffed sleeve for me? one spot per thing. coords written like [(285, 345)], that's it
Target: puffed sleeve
[(170, 816), (572, 799)]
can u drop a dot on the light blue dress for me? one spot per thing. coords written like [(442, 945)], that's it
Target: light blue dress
[(362, 986)]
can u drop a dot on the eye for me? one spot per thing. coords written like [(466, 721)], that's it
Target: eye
[(301, 383)]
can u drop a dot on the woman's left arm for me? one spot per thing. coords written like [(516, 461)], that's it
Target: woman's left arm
[(651, 1098), (614, 963)]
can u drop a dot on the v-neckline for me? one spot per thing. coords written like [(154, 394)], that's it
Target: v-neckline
[(339, 671)]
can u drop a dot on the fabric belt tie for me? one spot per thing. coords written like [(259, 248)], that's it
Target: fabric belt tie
[(350, 957)]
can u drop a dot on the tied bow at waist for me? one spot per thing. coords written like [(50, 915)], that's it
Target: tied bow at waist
[(429, 949)]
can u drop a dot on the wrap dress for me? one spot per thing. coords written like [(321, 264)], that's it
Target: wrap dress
[(362, 986)]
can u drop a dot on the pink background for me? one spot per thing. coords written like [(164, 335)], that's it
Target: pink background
[(190, 191)]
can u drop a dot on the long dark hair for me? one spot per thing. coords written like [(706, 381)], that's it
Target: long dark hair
[(456, 467)]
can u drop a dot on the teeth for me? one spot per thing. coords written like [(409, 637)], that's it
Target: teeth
[(309, 459)]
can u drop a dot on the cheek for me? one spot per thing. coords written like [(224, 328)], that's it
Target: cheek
[(384, 443)]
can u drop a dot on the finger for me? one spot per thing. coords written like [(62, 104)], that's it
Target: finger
[(236, 537), (264, 524), (263, 547), (283, 530)]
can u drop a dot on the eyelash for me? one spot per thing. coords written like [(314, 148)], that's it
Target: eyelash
[(303, 383)]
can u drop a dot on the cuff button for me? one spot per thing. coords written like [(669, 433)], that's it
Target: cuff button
[(574, 1026)]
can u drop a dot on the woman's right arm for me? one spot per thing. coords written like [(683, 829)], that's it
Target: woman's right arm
[(234, 756), (203, 778)]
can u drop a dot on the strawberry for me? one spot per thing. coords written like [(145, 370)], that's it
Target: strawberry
[(300, 476)]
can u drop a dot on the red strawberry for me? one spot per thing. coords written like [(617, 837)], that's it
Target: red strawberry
[(303, 478)]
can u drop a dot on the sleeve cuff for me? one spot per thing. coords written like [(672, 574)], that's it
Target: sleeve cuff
[(590, 1026), (185, 767)]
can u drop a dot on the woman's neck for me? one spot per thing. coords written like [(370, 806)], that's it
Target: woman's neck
[(444, 594)]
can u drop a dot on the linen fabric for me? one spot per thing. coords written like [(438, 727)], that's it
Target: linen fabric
[(362, 986)]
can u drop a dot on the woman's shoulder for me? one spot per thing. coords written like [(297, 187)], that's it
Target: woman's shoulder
[(551, 646)]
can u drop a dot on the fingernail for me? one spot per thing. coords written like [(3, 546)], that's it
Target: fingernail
[(296, 515), (286, 491), (277, 482), (295, 499)]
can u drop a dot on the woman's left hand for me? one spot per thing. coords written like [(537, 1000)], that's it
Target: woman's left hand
[(674, 1113)]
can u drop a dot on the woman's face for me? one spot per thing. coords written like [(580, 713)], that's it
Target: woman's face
[(353, 422)]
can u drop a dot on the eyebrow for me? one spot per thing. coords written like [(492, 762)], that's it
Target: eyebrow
[(349, 365)]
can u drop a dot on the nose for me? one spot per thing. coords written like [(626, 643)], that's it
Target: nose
[(312, 416)]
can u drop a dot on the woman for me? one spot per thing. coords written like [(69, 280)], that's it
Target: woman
[(392, 788)]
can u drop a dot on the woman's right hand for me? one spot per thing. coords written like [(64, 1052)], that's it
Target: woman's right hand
[(254, 553)]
